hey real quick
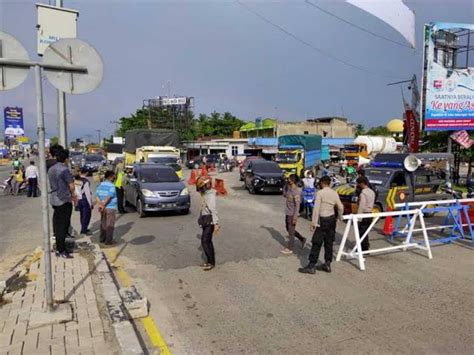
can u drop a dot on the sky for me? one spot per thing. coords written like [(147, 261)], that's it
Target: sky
[(229, 59)]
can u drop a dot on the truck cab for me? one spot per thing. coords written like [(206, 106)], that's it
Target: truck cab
[(166, 155), (291, 160), (353, 151)]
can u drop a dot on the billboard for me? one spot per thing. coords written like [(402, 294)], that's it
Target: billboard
[(448, 78), (55, 23), (13, 118)]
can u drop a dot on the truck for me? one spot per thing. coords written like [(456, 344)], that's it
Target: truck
[(114, 151), (367, 147), (153, 145), (298, 153)]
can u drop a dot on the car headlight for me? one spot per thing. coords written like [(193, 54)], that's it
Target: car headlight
[(184, 192), (147, 193), (191, 162)]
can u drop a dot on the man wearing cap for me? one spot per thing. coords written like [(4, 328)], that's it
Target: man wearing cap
[(366, 204)]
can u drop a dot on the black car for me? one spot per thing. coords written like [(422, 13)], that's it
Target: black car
[(93, 162), (196, 162), (263, 176)]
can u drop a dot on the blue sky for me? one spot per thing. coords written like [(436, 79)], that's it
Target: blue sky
[(230, 60)]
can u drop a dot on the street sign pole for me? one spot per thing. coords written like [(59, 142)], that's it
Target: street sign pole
[(44, 188), (62, 125)]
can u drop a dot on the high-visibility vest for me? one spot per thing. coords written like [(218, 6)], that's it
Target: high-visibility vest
[(118, 180)]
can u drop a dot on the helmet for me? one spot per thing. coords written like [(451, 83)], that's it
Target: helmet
[(307, 172), (202, 183)]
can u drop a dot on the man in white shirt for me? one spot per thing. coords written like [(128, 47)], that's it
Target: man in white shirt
[(31, 176)]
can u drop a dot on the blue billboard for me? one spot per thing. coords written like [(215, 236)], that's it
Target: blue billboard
[(448, 86), (14, 126)]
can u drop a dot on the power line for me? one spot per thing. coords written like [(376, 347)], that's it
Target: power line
[(357, 26), (311, 46)]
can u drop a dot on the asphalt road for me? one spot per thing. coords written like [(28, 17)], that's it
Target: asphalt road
[(255, 301)]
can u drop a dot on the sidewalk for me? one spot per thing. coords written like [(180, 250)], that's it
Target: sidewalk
[(79, 325)]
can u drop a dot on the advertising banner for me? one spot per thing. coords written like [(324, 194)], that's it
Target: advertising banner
[(463, 139), (448, 81), (13, 118)]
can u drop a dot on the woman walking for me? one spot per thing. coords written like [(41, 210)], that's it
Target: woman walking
[(208, 220)]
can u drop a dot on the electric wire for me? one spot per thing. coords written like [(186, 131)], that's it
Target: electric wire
[(311, 46), (356, 26)]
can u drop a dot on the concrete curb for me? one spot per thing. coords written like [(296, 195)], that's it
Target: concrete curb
[(125, 332)]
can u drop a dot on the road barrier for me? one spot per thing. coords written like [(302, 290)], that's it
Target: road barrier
[(458, 216), (204, 170), (357, 252), (193, 177)]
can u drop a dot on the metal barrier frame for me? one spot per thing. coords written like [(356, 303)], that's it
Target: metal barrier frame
[(356, 252), (455, 209)]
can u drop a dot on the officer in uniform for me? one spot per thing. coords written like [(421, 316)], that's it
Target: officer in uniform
[(324, 226), (366, 204)]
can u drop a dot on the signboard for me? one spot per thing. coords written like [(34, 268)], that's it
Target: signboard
[(54, 23), (13, 118), (117, 140), (463, 139), (448, 82), (168, 101)]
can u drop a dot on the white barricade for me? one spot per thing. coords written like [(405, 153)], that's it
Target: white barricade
[(356, 252)]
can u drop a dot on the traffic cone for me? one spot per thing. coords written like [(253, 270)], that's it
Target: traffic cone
[(193, 177), (213, 168), (388, 224), (204, 170), (219, 187)]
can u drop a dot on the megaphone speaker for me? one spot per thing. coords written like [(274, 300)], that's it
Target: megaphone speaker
[(411, 163)]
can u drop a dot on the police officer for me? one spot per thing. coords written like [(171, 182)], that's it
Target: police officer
[(324, 226), (366, 204)]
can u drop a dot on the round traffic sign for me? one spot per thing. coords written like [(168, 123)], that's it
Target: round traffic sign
[(72, 51), (11, 49)]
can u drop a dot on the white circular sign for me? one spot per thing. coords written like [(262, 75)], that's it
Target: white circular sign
[(73, 51), (11, 49)]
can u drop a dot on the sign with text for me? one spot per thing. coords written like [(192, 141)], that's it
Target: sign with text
[(13, 118), (55, 23), (463, 139), (168, 101), (448, 86)]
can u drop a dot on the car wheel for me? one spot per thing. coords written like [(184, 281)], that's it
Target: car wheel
[(140, 211), (252, 190), (185, 212)]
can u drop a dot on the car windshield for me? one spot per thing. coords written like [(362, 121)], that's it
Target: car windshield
[(75, 154), (378, 177), (266, 168), (94, 158), (352, 148), (286, 158), (163, 160), (151, 175)]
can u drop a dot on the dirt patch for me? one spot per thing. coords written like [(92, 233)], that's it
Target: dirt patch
[(18, 283)]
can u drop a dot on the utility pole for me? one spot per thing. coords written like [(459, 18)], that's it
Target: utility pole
[(62, 125), (116, 126), (169, 88), (98, 133)]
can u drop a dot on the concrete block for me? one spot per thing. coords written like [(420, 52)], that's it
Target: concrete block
[(61, 314), (127, 338), (136, 305)]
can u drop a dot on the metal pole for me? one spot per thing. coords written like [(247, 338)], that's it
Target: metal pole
[(44, 188), (169, 88), (62, 126), (98, 133), (450, 151)]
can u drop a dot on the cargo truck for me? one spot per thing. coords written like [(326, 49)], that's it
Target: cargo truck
[(367, 147), (298, 153)]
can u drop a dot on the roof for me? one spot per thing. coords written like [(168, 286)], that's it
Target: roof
[(395, 125), (326, 119)]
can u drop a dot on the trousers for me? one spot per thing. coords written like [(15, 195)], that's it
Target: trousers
[(207, 245), (107, 225), (32, 189), (61, 223), (120, 193), (85, 213), (292, 232), (363, 226), (325, 233)]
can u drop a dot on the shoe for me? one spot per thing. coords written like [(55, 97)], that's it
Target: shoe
[(67, 255), (303, 243), (308, 269), (87, 234), (287, 251), (324, 267), (208, 267), (113, 242)]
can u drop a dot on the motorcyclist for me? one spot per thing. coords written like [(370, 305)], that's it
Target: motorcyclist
[(308, 180)]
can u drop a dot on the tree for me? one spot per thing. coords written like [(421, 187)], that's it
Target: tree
[(379, 131), (53, 140), (360, 129)]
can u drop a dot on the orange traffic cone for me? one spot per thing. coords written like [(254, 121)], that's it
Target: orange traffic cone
[(388, 225), (204, 170), (219, 187), (193, 177), (213, 168)]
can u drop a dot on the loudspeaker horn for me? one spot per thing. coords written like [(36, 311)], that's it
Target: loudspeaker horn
[(363, 161), (411, 163)]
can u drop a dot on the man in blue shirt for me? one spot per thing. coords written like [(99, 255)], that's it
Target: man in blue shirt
[(107, 202)]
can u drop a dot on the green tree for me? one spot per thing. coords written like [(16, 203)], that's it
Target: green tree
[(360, 129), (54, 140), (378, 131)]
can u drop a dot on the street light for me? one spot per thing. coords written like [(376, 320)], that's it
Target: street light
[(98, 133), (116, 126)]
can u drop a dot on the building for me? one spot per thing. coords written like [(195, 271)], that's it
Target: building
[(330, 127), (229, 146)]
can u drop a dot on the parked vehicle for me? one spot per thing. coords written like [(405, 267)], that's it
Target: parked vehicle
[(93, 162), (244, 165), (298, 153), (76, 159), (263, 176), (153, 187)]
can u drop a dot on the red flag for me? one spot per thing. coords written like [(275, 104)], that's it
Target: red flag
[(412, 128)]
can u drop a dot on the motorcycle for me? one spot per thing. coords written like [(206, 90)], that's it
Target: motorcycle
[(448, 188), (309, 197), (334, 181)]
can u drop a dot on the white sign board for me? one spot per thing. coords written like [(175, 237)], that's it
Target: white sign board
[(55, 23), (118, 140), (167, 101)]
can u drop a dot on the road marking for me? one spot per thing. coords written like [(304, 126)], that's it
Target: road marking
[(148, 323)]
